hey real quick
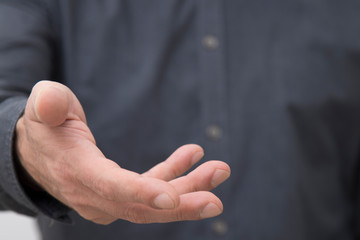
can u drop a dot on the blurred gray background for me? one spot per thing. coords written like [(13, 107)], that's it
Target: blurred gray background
[(17, 227)]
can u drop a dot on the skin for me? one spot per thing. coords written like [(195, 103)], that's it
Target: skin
[(58, 151)]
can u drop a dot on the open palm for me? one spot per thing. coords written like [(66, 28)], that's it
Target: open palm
[(57, 149)]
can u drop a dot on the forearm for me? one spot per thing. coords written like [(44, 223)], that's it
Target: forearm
[(16, 193), (25, 58), (12, 195)]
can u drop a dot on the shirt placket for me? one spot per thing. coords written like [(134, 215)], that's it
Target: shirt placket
[(213, 78), (213, 92)]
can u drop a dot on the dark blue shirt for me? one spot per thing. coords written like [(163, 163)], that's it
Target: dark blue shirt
[(272, 87)]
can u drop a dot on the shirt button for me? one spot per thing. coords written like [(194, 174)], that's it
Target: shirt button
[(210, 42), (213, 132), (220, 227)]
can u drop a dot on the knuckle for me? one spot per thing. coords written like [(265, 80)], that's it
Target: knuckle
[(192, 184), (131, 214), (173, 171), (179, 215), (139, 190)]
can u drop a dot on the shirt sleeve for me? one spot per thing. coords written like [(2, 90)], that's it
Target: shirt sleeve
[(26, 56)]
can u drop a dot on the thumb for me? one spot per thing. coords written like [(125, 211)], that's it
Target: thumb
[(52, 103)]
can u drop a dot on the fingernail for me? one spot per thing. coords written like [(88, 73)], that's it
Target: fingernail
[(219, 177), (196, 157), (164, 201), (210, 210)]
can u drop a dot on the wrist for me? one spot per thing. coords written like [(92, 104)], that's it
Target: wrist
[(23, 176)]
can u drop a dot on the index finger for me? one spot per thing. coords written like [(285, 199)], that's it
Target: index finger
[(177, 164)]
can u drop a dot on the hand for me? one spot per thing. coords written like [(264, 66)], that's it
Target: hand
[(57, 149)]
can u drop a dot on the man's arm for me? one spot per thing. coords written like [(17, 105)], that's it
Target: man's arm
[(25, 57), (56, 148)]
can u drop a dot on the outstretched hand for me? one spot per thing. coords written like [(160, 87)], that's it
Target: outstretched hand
[(57, 149)]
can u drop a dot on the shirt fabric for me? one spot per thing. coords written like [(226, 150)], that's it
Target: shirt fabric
[(270, 87)]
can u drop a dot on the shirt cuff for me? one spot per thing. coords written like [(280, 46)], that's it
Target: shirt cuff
[(17, 196)]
